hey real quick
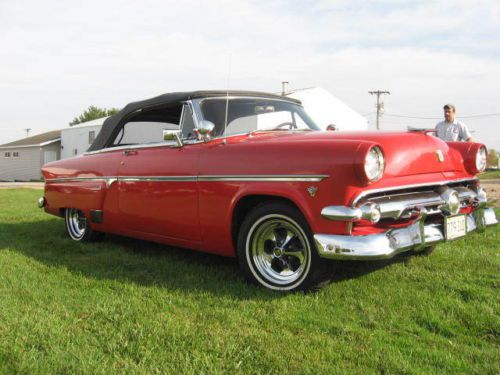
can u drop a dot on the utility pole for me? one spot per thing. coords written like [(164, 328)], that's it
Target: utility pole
[(27, 130), (284, 88), (380, 105)]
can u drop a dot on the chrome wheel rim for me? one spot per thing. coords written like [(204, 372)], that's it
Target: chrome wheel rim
[(76, 223), (279, 251)]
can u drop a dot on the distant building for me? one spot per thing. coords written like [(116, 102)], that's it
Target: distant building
[(75, 140), (326, 109), (22, 160)]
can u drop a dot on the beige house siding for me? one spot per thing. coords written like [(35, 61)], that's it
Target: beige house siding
[(27, 165)]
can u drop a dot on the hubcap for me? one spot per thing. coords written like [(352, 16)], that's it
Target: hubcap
[(76, 222), (279, 249)]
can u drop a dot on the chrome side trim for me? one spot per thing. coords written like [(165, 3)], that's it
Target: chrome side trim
[(73, 179), (206, 178), (402, 187), (270, 178), (158, 178), (386, 245)]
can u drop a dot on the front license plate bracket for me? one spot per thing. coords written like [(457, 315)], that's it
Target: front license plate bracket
[(455, 227)]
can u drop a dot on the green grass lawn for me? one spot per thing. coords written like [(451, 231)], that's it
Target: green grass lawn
[(126, 306), (489, 175)]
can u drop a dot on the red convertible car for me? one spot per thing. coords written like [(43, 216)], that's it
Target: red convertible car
[(248, 174)]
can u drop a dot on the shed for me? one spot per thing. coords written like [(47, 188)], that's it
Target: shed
[(326, 109), (22, 160), (75, 140)]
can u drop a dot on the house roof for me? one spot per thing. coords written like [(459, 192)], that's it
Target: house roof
[(36, 140), (96, 122)]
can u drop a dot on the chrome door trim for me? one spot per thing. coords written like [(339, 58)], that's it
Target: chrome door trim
[(158, 178), (204, 178), (73, 179), (273, 178)]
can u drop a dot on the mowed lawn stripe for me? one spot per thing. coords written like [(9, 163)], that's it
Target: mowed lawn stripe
[(124, 305)]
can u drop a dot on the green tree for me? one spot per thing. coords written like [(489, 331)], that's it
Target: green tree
[(93, 113), (492, 160)]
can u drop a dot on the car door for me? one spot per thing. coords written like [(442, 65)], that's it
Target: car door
[(158, 190)]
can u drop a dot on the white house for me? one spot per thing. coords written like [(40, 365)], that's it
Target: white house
[(75, 140), (326, 109), (22, 160)]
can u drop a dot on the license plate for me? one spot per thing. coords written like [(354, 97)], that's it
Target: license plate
[(455, 227)]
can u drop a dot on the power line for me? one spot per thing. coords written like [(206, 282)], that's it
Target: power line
[(439, 118)]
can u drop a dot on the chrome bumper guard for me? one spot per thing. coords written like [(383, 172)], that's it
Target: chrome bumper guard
[(417, 236)]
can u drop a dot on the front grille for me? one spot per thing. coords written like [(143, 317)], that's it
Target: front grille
[(407, 202)]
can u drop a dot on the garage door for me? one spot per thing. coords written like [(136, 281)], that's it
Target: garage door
[(49, 156)]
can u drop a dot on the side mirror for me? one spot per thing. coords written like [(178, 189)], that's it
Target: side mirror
[(332, 127), (173, 135), (205, 129)]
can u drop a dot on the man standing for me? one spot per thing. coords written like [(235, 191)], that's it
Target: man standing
[(452, 130)]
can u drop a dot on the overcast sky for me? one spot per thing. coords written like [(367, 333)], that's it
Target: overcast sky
[(59, 57)]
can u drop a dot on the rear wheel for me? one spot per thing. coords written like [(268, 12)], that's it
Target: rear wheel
[(78, 227), (276, 249)]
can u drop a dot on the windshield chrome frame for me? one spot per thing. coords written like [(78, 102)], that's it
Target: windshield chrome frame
[(199, 113)]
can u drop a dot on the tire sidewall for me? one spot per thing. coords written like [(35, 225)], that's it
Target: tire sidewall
[(259, 215), (88, 230)]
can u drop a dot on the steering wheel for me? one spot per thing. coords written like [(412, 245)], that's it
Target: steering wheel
[(290, 125)]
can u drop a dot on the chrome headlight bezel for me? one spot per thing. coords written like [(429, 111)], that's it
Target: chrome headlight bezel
[(481, 159), (374, 164)]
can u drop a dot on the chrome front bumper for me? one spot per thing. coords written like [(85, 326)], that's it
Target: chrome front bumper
[(385, 245)]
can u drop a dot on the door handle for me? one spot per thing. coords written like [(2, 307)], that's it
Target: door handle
[(129, 152)]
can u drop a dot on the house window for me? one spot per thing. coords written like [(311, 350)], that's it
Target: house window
[(91, 136), (6, 155), (15, 154)]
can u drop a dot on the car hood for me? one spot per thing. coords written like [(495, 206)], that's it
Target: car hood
[(406, 153)]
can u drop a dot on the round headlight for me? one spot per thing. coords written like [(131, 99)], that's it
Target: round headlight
[(374, 164), (481, 157)]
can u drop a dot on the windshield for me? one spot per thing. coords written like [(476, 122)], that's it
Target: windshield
[(253, 114)]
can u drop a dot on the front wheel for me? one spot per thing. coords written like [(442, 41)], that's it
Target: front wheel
[(78, 227), (276, 249)]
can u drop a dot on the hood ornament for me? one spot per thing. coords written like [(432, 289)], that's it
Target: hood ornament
[(440, 156)]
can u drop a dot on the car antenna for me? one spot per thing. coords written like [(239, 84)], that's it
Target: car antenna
[(227, 98)]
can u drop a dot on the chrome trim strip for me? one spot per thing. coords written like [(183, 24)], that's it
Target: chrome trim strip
[(205, 178), (158, 178), (271, 178), (71, 179), (402, 187)]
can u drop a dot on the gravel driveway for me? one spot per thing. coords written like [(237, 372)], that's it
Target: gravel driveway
[(21, 185)]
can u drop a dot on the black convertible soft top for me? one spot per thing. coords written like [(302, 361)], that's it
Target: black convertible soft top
[(113, 124)]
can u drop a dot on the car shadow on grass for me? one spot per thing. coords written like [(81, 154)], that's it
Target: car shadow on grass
[(150, 264)]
